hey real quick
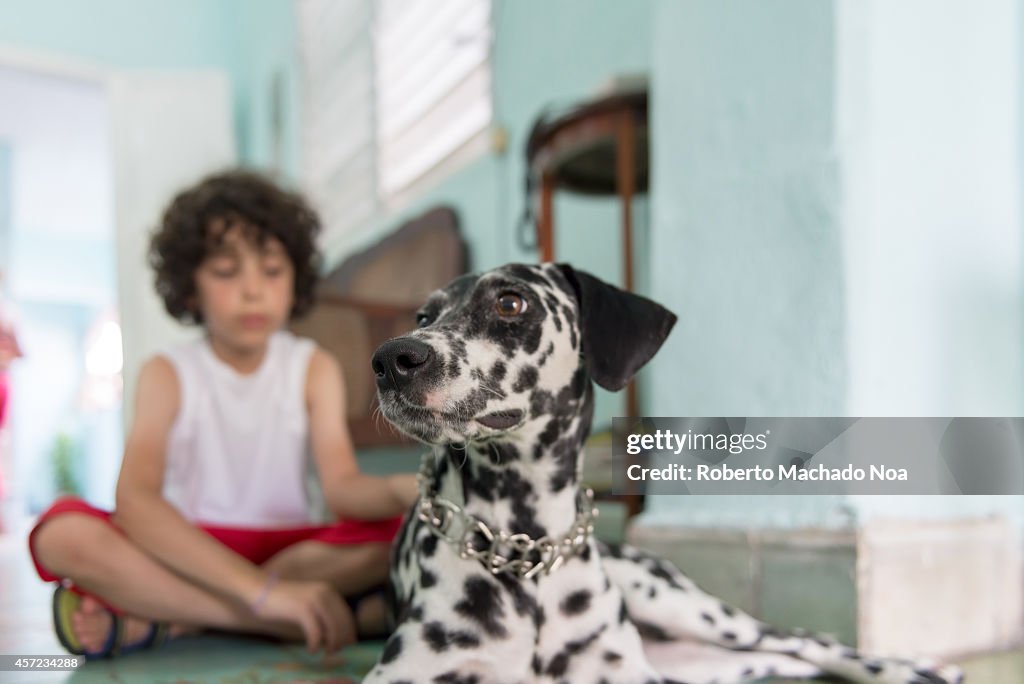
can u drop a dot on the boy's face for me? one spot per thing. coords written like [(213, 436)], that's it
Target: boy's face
[(245, 291)]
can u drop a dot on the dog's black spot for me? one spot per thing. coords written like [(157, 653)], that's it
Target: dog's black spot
[(428, 546), (658, 570), (453, 677), (497, 374), (612, 657), (566, 455), (546, 355), (464, 639), (482, 604), (541, 403), (577, 386), (502, 453), (727, 609), (519, 492), (552, 305), (560, 663), (453, 366), (550, 433), (435, 636), (570, 314), (873, 668), (576, 602), (652, 592), (539, 617), (729, 636), (439, 639), (651, 631), (480, 480), (392, 649), (527, 379), (538, 451), (427, 579), (522, 601), (708, 618), (623, 613), (536, 664)]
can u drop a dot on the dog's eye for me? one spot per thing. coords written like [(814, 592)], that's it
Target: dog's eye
[(510, 304), (422, 319)]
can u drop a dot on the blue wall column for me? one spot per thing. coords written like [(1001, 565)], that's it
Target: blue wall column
[(746, 233)]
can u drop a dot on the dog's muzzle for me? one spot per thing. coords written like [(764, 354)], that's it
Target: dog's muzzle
[(396, 363)]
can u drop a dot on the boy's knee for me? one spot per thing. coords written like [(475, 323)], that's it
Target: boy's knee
[(71, 543)]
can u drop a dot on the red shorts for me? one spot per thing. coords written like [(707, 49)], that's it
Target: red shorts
[(4, 393), (255, 544)]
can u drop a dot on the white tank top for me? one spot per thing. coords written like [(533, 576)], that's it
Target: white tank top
[(237, 455)]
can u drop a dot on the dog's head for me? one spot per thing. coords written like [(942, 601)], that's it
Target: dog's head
[(503, 350)]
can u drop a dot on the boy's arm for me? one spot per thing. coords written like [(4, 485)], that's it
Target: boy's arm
[(160, 530), (348, 492)]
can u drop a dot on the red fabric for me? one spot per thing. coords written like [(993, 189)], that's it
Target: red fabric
[(255, 544)]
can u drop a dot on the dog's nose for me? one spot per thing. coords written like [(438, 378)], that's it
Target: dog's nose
[(396, 362)]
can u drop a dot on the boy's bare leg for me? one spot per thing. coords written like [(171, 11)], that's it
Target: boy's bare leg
[(104, 562), (350, 569)]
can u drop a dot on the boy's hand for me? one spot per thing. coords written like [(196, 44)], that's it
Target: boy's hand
[(317, 608)]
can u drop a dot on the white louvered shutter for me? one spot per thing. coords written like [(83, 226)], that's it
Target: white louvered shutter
[(433, 84)]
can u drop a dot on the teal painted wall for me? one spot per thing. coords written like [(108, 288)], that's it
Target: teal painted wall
[(250, 40), (145, 33), (746, 242), (265, 69)]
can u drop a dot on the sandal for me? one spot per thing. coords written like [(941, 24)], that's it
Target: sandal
[(354, 600), (66, 602)]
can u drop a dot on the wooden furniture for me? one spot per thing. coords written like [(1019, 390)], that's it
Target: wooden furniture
[(598, 148), (373, 296)]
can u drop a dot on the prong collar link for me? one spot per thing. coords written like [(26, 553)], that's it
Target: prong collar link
[(505, 553)]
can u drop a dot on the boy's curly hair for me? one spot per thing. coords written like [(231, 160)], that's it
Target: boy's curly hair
[(194, 224)]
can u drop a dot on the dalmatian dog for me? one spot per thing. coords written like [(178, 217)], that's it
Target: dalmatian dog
[(495, 573)]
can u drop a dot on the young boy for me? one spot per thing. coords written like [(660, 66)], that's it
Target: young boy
[(212, 526)]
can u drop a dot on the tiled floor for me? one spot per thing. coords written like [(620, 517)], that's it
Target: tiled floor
[(25, 628)]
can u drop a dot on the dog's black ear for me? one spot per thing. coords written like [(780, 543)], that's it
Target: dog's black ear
[(621, 331)]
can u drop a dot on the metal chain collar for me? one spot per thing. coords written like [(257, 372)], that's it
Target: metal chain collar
[(506, 552)]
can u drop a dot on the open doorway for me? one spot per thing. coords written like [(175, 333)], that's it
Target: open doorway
[(58, 254)]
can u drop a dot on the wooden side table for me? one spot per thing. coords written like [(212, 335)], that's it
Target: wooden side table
[(598, 148)]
